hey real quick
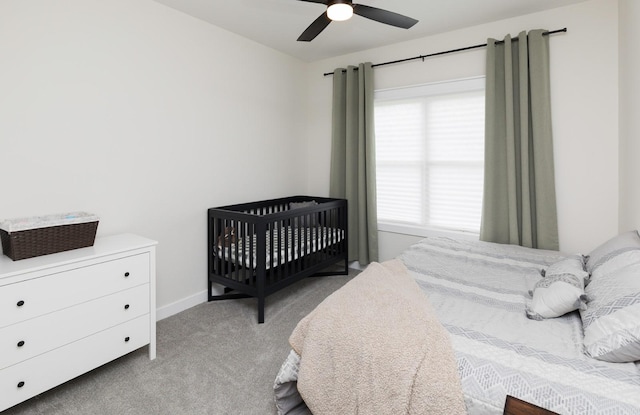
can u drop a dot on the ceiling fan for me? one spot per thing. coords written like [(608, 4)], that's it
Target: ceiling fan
[(340, 10)]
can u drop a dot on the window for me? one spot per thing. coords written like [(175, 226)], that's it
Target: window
[(429, 156)]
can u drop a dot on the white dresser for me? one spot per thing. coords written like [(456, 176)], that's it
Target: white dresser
[(62, 315)]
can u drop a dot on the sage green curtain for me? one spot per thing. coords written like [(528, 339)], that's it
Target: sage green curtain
[(519, 204), (353, 158)]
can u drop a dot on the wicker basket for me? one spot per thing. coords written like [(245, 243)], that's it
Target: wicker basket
[(55, 233)]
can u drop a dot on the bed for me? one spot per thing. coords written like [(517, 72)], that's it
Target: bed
[(258, 248), (505, 341)]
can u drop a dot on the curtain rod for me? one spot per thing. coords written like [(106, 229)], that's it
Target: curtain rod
[(551, 32)]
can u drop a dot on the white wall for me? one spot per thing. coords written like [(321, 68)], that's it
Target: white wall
[(629, 110), (146, 117), (584, 77)]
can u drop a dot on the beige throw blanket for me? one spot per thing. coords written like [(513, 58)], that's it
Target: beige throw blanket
[(376, 347)]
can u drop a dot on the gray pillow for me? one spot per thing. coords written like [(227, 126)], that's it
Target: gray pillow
[(306, 220), (611, 320), (298, 205), (608, 252)]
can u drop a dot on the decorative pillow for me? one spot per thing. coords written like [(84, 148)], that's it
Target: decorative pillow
[(560, 291), (611, 321), (613, 254), (304, 220), (298, 205)]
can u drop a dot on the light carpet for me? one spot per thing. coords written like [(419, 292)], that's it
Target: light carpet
[(211, 359)]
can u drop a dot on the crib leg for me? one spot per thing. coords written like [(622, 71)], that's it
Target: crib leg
[(260, 309)]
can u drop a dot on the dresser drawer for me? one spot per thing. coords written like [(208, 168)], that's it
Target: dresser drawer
[(56, 291), (34, 376), (33, 337)]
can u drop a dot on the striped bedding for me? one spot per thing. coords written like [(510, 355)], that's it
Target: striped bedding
[(282, 245), (479, 291)]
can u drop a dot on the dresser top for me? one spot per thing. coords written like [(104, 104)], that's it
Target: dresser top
[(103, 246)]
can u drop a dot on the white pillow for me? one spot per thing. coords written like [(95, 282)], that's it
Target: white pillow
[(560, 291), (607, 254), (611, 321)]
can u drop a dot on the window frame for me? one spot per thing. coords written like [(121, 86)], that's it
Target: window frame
[(417, 91)]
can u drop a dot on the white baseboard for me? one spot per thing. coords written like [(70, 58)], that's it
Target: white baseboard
[(181, 305), (356, 265), (201, 297)]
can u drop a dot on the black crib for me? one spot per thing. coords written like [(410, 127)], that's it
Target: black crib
[(258, 248)]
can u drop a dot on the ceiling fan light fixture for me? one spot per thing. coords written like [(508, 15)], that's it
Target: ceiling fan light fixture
[(340, 11), (344, 9)]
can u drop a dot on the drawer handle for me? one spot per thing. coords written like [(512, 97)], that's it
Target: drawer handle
[(21, 343), (20, 303), (126, 274), (126, 306), (126, 339), (20, 384)]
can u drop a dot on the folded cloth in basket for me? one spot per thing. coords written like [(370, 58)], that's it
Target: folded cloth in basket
[(376, 347), (36, 222)]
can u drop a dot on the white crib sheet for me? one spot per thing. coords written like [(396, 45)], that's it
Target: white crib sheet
[(282, 245)]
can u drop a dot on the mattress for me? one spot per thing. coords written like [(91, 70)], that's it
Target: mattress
[(282, 245), (479, 291)]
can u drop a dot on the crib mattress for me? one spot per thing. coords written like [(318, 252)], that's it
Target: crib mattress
[(282, 245)]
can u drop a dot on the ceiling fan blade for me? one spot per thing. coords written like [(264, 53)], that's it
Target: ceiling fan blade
[(384, 16), (325, 2), (315, 28)]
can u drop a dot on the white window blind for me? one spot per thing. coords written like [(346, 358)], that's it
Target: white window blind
[(429, 155)]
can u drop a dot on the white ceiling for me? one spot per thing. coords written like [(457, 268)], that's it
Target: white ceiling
[(278, 23)]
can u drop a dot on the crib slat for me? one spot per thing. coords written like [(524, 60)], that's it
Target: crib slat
[(273, 241), (298, 245), (288, 247), (282, 254), (252, 248)]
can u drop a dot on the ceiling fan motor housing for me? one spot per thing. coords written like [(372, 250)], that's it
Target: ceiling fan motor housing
[(339, 10), (332, 2)]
